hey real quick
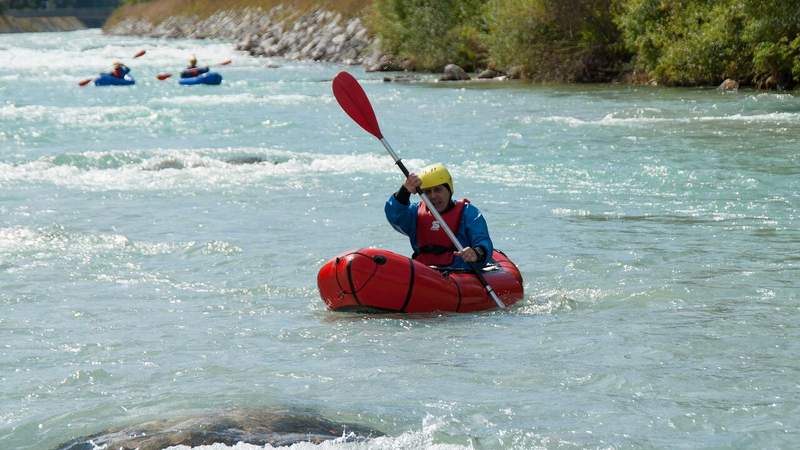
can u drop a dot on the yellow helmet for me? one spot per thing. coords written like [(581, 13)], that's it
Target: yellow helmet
[(116, 63), (193, 59), (435, 175)]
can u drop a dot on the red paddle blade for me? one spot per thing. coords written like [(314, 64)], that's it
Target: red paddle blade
[(354, 102), (84, 82), (163, 76), (139, 53), (225, 63)]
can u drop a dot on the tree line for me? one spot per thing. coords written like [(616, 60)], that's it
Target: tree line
[(674, 42)]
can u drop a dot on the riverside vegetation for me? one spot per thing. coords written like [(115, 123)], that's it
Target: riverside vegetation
[(680, 42)]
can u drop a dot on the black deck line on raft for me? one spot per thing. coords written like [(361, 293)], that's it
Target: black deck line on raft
[(350, 280), (410, 287), (342, 292), (458, 289)]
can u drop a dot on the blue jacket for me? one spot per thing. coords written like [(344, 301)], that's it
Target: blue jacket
[(472, 231), (123, 70)]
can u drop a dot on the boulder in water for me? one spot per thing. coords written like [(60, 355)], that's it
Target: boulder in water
[(729, 85), (453, 72), (262, 427)]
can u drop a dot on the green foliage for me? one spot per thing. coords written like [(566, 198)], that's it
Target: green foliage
[(431, 33), (773, 58), (570, 40), (706, 46), (682, 42), (774, 34), (705, 41), (795, 44), (555, 40)]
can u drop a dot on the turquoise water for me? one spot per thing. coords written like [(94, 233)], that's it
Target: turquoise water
[(149, 269)]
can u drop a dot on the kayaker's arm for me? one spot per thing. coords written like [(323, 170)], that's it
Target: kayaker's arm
[(477, 232), (403, 196), (402, 216)]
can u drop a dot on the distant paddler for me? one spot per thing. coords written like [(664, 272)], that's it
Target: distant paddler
[(118, 76), (192, 69), (118, 72)]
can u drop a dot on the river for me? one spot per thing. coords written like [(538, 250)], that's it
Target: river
[(159, 246)]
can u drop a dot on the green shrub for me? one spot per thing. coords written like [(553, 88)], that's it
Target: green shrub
[(431, 33), (703, 41), (555, 40), (773, 30)]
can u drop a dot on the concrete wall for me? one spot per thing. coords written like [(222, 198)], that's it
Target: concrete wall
[(10, 24), (92, 17)]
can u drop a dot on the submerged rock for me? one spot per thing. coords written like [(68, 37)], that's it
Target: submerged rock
[(729, 85), (401, 79), (516, 73), (385, 63), (164, 165), (241, 160), (273, 427), (453, 72), (489, 73)]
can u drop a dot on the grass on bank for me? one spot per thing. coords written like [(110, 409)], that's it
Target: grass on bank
[(156, 11)]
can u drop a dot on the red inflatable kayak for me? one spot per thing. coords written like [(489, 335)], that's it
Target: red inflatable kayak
[(375, 280)]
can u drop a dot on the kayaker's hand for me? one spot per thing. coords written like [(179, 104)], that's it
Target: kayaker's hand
[(468, 254), (412, 183)]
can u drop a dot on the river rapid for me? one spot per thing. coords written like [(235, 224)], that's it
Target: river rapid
[(159, 247)]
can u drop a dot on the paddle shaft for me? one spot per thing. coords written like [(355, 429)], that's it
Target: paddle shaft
[(443, 225)]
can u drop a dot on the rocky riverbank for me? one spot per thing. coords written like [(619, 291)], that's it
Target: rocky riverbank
[(319, 35)]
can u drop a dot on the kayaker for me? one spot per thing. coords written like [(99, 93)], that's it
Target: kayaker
[(431, 245), (119, 70), (192, 70)]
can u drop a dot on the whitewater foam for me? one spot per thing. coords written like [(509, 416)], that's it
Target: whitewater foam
[(214, 100), (187, 169), (613, 120), (127, 116), (68, 53)]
